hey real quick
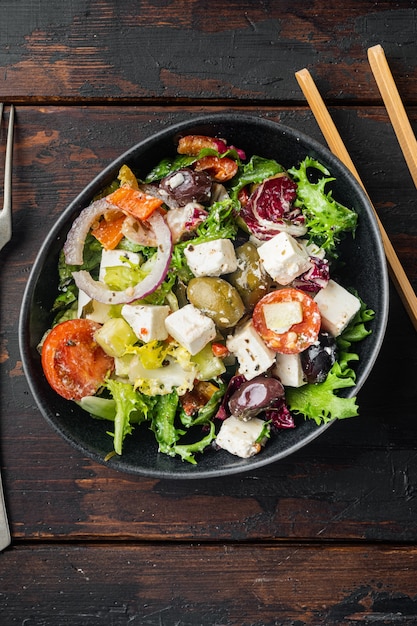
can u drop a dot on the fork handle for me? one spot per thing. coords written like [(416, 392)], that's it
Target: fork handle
[(5, 537)]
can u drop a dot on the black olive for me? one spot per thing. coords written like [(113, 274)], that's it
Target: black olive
[(254, 396), (186, 185), (318, 359)]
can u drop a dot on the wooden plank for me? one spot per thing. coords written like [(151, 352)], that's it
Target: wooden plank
[(357, 481), (213, 51), (191, 585)]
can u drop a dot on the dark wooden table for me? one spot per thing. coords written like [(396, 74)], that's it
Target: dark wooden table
[(329, 534)]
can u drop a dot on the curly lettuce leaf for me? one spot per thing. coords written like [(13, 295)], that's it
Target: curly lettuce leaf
[(127, 408), (131, 407), (357, 330), (320, 402), (326, 219)]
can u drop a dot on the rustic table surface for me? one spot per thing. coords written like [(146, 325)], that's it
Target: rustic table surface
[(325, 536)]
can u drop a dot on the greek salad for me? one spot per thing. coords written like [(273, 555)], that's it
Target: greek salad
[(199, 299)]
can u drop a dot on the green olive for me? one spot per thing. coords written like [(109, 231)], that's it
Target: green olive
[(250, 279), (217, 299)]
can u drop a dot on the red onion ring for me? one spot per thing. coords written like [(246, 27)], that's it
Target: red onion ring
[(74, 244), (96, 290)]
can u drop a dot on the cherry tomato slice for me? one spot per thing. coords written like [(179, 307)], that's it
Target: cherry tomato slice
[(219, 350), (300, 335), (74, 364)]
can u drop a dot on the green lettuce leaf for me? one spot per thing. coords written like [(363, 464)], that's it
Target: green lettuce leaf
[(65, 304), (169, 436), (120, 277), (163, 423), (319, 402), (357, 330), (255, 171), (187, 451), (131, 407), (168, 165)]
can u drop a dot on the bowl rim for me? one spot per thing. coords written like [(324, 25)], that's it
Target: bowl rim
[(108, 173)]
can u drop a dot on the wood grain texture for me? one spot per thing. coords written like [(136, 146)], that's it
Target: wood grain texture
[(216, 585), (325, 537), (358, 481), (214, 51)]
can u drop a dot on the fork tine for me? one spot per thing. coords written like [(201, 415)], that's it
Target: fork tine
[(6, 213)]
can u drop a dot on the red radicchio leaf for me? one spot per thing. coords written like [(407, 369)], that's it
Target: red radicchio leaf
[(273, 199), (280, 415), (270, 209), (234, 384), (315, 278)]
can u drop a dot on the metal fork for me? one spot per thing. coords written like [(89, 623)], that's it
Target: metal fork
[(6, 212), (5, 236)]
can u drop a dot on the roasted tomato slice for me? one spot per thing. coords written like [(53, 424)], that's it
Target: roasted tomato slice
[(220, 169), (193, 144), (274, 313), (74, 364)]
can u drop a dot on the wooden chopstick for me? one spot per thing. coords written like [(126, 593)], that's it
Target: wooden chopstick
[(338, 148), (395, 107)]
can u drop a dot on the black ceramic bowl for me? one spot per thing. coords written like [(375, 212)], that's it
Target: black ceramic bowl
[(365, 270)]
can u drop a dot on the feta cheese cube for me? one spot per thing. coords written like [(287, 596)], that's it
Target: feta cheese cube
[(288, 369), (97, 311), (191, 328), (337, 307), (211, 258), (92, 309), (114, 258), (241, 438), (280, 316), (253, 355), (147, 320), (284, 258)]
